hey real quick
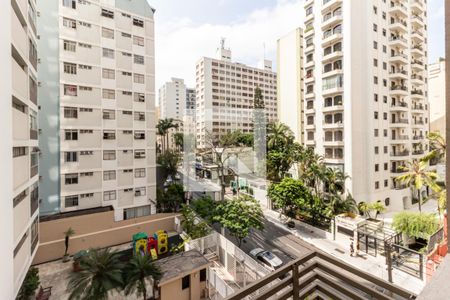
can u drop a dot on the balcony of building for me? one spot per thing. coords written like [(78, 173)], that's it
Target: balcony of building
[(336, 153), (309, 31), (19, 35), (398, 186), (332, 68), (417, 94), (417, 79), (399, 105), (334, 138), (399, 120), (398, 41), (398, 168), (332, 53), (417, 65), (418, 137), (20, 80), (417, 21), (309, 76), (398, 90), (417, 108), (399, 25), (332, 35), (332, 18), (418, 122), (398, 8), (333, 104), (398, 58), (417, 36), (397, 138), (397, 73), (330, 5), (399, 152), (308, 3), (417, 50), (333, 121), (417, 6)]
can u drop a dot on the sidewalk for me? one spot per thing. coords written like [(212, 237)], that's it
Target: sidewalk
[(373, 265)]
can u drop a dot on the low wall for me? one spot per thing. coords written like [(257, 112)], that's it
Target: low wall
[(97, 230)]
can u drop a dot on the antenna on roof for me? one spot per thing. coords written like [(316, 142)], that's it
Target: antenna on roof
[(222, 43), (264, 50)]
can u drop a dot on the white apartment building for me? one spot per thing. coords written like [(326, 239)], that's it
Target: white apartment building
[(290, 82), (436, 95), (172, 99), (225, 94), (190, 99), (97, 99), (366, 91), (19, 144)]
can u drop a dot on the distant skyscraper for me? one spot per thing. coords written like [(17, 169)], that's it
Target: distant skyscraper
[(172, 99), (366, 92), (19, 151), (97, 100), (436, 95), (225, 92), (290, 82)]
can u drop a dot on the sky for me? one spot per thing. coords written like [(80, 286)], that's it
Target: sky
[(186, 30)]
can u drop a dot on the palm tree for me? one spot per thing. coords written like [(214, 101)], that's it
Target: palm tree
[(163, 127), (179, 139), (437, 146), (139, 269), (100, 273), (279, 135), (339, 204), (418, 176)]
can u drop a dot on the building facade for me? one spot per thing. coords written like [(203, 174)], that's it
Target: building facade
[(19, 147), (98, 106), (225, 94), (290, 82), (436, 95), (366, 91), (172, 99)]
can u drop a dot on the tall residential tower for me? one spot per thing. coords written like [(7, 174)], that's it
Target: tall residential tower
[(19, 150), (366, 91), (97, 101)]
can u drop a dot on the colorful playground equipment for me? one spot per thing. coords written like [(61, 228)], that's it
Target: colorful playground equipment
[(162, 241), (154, 245)]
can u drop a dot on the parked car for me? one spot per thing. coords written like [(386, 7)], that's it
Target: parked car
[(269, 259)]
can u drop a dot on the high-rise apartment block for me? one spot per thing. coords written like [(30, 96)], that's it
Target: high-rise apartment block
[(225, 93), (290, 82), (172, 99), (436, 95), (97, 99), (366, 91), (19, 150)]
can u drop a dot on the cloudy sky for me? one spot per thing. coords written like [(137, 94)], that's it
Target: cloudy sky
[(186, 30)]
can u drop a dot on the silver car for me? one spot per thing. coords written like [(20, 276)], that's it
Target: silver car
[(269, 259)]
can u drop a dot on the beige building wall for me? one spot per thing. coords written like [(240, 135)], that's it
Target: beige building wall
[(173, 289), (290, 102), (97, 230), (436, 95)]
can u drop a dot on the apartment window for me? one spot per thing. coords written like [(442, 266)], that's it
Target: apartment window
[(70, 3), (71, 179), (137, 40), (385, 99), (109, 53), (376, 149), (107, 13), (377, 167), (127, 112), (70, 68), (375, 115), (127, 93), (19, 151), (107, 33), (109, 155), (85, 24), (139, 173), (70, 112), (375, 79), (71, 201), (19, 198), (109, 195), (375, 62), (109, 114), (384, 15), (384, 116), (384, 32), (138, 78), (385, 133), (136, 212), (385, 149), (375, 10), (71, 135), (86, 131), (138, 97), (88, 195), (71, 156), (70, 90), (139, 154), (375, 45), (138, 59), (202, 275), (384, 66), (385, 183), (375, 97), (85, 67), (375, 27), (109, 135), (127, 35), (377, 185), (376, 132), (139, 135), (384, 82), (140, 191), (385, 166), (69, 23), (70, 46), (109, 175), (108, 74), (108, 94), (139, 116), (186, 282), (126, 73), (384, 49), (138, 22)]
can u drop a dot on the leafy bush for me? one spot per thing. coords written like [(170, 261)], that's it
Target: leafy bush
[(29, 285), (416, 225)]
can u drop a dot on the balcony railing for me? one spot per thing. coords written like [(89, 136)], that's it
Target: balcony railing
[(400, 153), (418, 137), (399, 121), (417, 92), (400, 138), (320, 272), (397, 38), (418, 152), (416, 76), (404, 72), (400, 104), (399, 88)]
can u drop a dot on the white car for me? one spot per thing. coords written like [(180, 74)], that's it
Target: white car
[(269, 259)]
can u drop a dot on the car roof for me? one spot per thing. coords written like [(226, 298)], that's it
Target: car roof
[(256, 251)]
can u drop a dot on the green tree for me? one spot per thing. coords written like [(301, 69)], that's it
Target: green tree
[(192, 225), (169, 161), (368, 209), (100, 273), (258, 99), (339, 204), (171, 199), (163, 127), (278, 136), (416, 225), (205, 207), (29, 285), (417, 176), (239, 216), (289, 195), (139, 270), (178, 138), (437, 147)]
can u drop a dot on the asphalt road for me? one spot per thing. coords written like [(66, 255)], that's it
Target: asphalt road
[(279, 241)]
